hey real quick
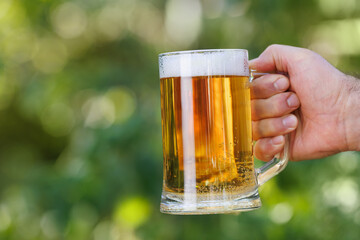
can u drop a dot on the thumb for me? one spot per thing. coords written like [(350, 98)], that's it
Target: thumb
[(275, 58)]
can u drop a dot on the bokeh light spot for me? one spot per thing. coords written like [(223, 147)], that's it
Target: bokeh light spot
[(77, 168), (50, 56), (49, 225), (110, 22), (145, 20), (21, 46), (4, 7), (132, 212), (335, 7), (213, 8), (99, 112), (343, 193), (348, 161), (58, 119), (123, 99), (69, 20), (83, 219), (347, 194), (102, 230), (183, 21), (281, 213), (238, 9), (340, 37), (5, 218)]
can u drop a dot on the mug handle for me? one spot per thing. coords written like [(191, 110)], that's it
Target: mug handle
[(279, 162)]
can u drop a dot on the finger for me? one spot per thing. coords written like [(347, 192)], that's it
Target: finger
[(277, 58), (269, 85), (272, 127), (266, 148), (275, 106)]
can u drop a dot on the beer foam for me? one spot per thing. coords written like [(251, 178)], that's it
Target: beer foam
[(204, 63)]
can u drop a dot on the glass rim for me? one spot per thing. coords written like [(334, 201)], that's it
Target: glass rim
[(201, 51)]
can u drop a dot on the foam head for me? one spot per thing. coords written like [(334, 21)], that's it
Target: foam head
[(204, 63)]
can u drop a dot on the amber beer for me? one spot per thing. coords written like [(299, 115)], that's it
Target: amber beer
[(217, 117), (207, 135)]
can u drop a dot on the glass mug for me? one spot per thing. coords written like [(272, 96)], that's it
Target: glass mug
[(207, 134)]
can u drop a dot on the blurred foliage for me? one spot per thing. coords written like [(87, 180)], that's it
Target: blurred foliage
[(80, 134)]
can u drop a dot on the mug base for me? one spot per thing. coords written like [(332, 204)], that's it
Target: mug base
[(174, 203)]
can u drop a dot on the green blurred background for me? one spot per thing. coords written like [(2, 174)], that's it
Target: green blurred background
[(80, 133)]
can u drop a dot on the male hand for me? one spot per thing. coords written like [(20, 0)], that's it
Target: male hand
[(327, 104)]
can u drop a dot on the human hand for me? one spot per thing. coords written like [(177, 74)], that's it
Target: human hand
[(327, 121)]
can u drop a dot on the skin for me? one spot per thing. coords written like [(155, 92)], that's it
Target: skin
[(314, 102)]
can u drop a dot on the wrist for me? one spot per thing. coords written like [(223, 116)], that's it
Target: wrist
[(352, 114)]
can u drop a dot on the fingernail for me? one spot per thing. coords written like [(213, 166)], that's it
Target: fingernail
[(292, 101), (281, 84), (290, 122), (278, 140)]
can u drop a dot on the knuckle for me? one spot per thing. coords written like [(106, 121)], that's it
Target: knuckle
[(280, 103), (308, 52), (259, 152), (276, 77), (277, 106), (272, 77), (259, 82), (257, 133), (273, 47), (266, 128), (255, 112), (277, 126), (305, 54), (265, 149)]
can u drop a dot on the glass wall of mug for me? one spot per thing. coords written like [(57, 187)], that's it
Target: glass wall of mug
[(207, 133)]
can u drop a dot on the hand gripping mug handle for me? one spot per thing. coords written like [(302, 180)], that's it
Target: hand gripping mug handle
[(279, 162)]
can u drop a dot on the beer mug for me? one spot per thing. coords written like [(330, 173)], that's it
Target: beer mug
[(207, 134)]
